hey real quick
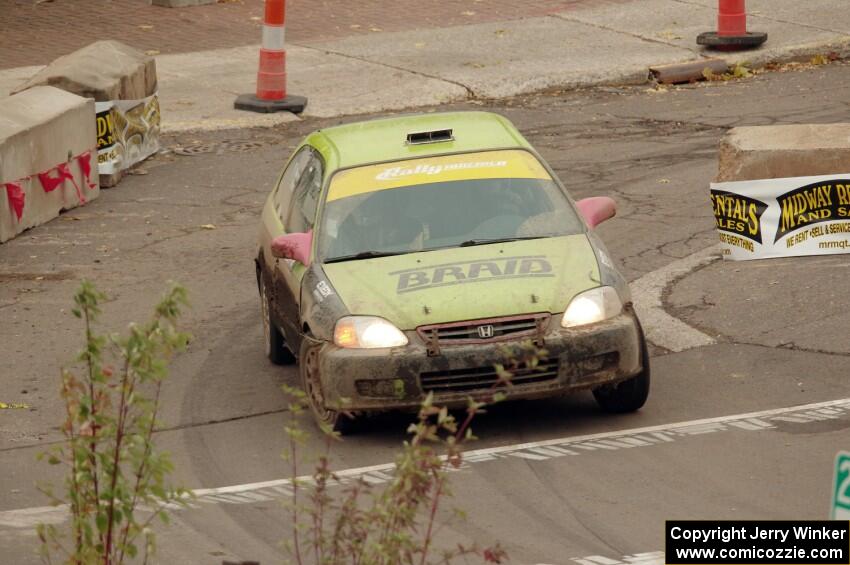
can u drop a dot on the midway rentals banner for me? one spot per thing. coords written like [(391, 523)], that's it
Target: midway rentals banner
[(787, 217), (127, 132)]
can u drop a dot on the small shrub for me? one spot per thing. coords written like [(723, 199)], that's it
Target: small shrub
[(116, 482)]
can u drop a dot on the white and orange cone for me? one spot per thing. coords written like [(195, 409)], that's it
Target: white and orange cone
[(271, 93)]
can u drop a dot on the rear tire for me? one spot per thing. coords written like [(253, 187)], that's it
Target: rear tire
[(628, 395), (275, 345), (333, 420)]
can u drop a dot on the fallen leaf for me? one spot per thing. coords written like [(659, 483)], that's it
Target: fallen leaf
[(256, 18), (664, 181), (13, 406), (355, 26), (500, 32), (375, 29), (819, 60), (420, 45), (152, 52), (208, 227), (146, 27), (668, 35), (467, 13)]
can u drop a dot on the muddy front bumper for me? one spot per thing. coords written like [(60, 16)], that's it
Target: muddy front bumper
[(401, 377)]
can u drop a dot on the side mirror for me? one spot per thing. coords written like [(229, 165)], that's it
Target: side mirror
[(597, 209), (293, 246)]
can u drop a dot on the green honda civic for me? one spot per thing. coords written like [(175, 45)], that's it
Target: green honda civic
[(412, 255)]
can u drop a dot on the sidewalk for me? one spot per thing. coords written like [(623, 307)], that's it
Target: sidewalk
[(585, 43), (57, 27)]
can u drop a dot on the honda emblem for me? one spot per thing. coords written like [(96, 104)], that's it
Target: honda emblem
[(485, 332)]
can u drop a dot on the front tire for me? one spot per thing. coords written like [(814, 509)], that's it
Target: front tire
[(631, 394), (310, 370), (276, 349)]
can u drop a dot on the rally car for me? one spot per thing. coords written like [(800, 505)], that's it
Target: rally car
[(399, 257)]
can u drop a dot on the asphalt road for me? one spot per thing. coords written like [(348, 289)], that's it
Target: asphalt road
[(746, 428)]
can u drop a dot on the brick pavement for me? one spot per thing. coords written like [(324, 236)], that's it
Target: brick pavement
[(34, 32)]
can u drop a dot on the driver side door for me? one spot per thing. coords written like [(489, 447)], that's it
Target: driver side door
[(298, 216)]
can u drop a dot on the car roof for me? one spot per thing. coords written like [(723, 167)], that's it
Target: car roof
[(385, 139)]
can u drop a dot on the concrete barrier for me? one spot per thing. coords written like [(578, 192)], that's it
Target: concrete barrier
[(769, 152), (110, 71), (103, 70), (47, 141)]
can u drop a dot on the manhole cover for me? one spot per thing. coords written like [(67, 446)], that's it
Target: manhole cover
[(235, 145), (191, 150), (240, 146)]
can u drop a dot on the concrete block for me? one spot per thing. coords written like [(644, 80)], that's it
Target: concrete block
[(41, 128), (181, 3), (767, 152), (104, 70)]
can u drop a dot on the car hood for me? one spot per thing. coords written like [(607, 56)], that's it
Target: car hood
[(468, 283)]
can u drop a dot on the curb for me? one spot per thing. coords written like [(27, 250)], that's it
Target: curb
[(683, 72)]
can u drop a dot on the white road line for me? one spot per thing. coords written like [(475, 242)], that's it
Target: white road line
[(649, 558), (545, 450), (661, 328)]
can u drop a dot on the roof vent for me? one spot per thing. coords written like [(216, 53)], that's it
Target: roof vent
[(436, 136)]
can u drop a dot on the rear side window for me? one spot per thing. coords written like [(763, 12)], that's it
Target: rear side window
[(305, 199), (288, 181)]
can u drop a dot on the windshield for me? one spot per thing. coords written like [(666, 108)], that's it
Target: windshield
[(434, 203)]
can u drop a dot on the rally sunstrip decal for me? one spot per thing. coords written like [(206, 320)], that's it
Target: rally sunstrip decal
[(464, 272), (507, 164), (435, 169)]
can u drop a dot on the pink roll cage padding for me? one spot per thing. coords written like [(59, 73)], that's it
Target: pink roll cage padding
[(597, 209), (293, 246)]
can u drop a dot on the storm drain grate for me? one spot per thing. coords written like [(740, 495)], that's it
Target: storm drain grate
[(234, 146)]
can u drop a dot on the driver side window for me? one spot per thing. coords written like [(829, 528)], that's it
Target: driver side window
[(305, 198), (288, 181)]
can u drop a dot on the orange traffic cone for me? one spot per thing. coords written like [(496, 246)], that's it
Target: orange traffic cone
[(271, 93), (731, 34)]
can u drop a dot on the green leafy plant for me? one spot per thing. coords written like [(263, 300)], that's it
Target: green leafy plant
[(116, 483)]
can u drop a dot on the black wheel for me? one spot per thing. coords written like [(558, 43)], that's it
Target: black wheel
[(308, 360), (276, 349), (628, 395)]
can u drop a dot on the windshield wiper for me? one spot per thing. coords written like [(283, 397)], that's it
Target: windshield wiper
[(365, 255), (472, 242)]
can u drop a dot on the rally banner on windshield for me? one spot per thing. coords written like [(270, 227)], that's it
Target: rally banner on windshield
[(787, 217), (127, 132)]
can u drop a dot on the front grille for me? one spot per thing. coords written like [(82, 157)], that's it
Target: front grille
[(495, 329), (482, 378)]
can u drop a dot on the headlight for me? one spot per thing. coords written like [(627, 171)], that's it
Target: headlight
[(367, 332), (592, 306)]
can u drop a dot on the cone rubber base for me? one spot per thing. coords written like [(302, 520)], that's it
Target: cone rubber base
[(749, 40), (251, 103)]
